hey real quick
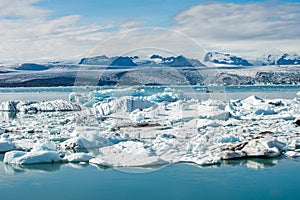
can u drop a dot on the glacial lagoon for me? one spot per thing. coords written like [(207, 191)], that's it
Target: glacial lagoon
[(191, 177)]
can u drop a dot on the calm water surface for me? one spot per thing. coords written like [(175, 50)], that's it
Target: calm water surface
[(179, 181)]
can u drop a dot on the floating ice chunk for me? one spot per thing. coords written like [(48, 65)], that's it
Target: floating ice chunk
[(163, 97), (298, 94), (22, 158), (6, 145), (253, 106), (127, 154), (58, 105), (78, 157), (265, 147), (44, 145), (123, 104)]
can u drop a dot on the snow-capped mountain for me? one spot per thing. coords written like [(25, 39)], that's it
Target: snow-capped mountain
[(225, 59), (122, 61), (98, 60), (179, 61), (287, 59)]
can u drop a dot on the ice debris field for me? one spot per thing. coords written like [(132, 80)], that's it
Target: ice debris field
[(112, 128)]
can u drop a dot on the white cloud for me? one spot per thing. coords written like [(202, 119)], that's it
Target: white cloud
[(27, 34), (21, 9), (131, 24), (248, 27)]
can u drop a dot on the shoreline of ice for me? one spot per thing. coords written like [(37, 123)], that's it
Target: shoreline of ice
[(108, 128)]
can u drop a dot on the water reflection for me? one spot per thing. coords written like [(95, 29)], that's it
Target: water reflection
[(16, 169), (7, 116), (253, 163)]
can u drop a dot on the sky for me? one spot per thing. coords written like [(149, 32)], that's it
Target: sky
[(54, 30)]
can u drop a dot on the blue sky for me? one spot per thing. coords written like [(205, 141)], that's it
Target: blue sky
[(154, 12), (67, 29)]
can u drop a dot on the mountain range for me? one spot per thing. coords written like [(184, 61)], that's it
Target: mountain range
[(211, 59)]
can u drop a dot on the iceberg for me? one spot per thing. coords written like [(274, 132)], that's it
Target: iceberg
[(35, 157), (128, 154), (42, 152)]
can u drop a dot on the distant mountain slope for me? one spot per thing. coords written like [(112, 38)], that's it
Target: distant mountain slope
[(32, 67), (122, 61), (226, 59)]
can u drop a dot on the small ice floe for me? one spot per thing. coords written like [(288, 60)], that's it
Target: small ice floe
[(128, 154), (78, 157), (42, 152)]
